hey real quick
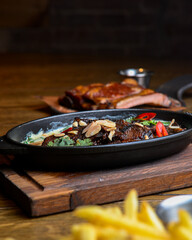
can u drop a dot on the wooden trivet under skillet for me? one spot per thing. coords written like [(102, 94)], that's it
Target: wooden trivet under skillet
[(40, 193)]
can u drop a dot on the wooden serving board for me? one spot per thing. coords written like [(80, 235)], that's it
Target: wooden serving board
[(40, 193)]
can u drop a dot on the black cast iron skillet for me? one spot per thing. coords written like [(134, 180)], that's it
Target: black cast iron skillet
[(114, 155)]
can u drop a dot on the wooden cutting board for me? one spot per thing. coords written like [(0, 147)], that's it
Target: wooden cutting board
[(40, 193)]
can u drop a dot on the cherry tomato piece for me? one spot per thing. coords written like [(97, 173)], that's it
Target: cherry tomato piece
[(161, 130)]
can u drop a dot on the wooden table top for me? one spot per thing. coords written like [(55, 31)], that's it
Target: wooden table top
[(23, 77)]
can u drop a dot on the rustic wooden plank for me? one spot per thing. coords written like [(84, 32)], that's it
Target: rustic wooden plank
[(145, 186), (41, 193), (50, 201), (103, 177), (170, 173), (33, 197)]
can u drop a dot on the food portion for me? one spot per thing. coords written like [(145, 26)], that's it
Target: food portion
[(93, 132), (133, 223), (114, 95)]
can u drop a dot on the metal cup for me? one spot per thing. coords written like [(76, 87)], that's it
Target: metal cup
[(142, 76)]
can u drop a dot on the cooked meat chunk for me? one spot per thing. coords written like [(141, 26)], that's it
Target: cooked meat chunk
[(75, 98), (126, 94), (131, 132), (110, 92)]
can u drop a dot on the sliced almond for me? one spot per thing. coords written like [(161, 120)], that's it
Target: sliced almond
[(39, 143), (47, 134), (138, 124), (94, 129), (73, 132), (174, 127), (59, 134), (88, 126), (75, 124), (172, 122), (110, 129), (82, 123), (146, 137), (111, 134), (106, 123), (171, 125)]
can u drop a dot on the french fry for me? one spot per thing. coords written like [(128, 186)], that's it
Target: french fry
[(96, 214), (114, 210), (182, 229), (84, 232), (131, 205), (109, 233), (185, 218), (148, 215), (178, 232), (112, 224)]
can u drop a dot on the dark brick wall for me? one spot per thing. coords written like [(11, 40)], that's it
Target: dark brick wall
[(160, 28)]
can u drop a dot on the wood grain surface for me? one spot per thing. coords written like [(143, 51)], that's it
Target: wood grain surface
[(41, 193), (22, 78)]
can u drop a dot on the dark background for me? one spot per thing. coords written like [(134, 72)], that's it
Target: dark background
[(152, 28)]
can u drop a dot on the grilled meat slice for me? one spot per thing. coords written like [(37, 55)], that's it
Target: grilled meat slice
[(147, 96)]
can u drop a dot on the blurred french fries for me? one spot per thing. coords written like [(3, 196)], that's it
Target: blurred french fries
[(182, 229), (147, 214), (96, 214), (84, 231), (130, 224), (131, 205), (185, 219)]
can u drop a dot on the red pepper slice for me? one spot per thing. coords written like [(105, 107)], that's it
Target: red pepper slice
[(67, 130), (146, 116), (161, 130)]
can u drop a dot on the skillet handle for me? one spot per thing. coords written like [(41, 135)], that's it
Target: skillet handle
[(176, 87), (7, 147)]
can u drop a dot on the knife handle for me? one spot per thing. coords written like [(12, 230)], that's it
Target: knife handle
[(176, 87)]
